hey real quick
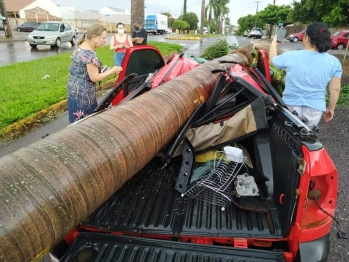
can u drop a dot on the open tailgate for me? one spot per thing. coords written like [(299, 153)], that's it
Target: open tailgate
[(99, 247)]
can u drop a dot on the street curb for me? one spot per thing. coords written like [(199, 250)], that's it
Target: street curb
[(11, 39), (26, 124)]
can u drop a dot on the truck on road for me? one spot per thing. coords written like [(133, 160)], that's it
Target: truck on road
[(156, 23)]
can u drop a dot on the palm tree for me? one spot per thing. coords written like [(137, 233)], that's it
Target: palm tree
[(221, 11), (209, 10), (137, 11), (202, 16)]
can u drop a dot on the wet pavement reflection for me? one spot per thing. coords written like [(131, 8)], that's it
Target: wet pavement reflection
[(20, 51)]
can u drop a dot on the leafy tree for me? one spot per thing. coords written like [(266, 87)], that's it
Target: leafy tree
[(170, 22), (180, 25), (246, 23), (333, 12), (227, 20), (275, 14), (170, 19), (212, 25), (192, 19)]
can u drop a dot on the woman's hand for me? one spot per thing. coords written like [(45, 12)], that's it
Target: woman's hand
[(116, 69), (328, 115)]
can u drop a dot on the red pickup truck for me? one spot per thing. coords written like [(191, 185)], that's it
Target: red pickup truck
[(154, 218), (243, 179)]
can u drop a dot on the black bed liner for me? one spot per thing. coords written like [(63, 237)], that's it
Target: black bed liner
[(105, 247), (148, 204)]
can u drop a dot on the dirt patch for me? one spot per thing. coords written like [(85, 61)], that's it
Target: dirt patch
[(335, 137), (345, 66)]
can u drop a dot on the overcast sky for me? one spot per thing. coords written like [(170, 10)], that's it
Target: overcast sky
[(238, 8)]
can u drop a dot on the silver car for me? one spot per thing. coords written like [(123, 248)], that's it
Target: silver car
[(52, 33), (256, 32)]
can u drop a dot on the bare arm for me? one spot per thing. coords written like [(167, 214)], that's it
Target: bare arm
[(138, 40), (130, 41), (334, 87), (273, 50), (95, 76)]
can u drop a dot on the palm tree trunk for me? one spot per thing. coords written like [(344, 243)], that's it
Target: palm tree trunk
[(202, 16), (51, 186), (137, 12)]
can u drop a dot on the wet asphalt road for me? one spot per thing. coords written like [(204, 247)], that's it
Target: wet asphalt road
[(20, 51)]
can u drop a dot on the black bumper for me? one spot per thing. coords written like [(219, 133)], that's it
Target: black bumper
[(94, 247), (315, 251)]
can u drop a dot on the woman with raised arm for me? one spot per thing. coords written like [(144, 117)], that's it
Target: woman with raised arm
[(308, 74)]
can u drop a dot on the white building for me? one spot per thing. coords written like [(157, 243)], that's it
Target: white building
[(107, 10), (33, 10)]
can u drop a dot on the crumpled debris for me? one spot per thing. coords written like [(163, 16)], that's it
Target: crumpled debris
[(46, 76)]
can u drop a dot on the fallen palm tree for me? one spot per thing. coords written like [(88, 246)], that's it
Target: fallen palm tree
[(49, 187)]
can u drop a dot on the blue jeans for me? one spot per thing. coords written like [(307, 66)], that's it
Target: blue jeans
[(118, 58)]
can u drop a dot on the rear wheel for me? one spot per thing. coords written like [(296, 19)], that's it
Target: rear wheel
[(295, 40), (340, 46), (58, 43), (73, 40)]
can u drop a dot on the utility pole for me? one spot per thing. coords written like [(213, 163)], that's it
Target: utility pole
[(255, 21), (6, 25)]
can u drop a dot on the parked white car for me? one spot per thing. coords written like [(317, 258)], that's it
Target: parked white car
[(52, 33), (256, 33), (168, 31)]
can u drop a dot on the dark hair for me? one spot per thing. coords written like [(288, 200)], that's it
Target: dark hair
[(319, 36), (117, 25)]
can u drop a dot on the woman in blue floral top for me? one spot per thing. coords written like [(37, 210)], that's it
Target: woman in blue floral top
[(85, 71)]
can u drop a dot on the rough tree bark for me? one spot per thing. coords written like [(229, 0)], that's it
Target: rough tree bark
[(49, 187)]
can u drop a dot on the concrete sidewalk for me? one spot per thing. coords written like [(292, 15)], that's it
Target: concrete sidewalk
[(16, 36)]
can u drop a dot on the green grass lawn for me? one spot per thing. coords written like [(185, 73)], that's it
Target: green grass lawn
[(24, 92)]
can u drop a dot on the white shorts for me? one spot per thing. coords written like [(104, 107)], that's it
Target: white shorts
[(309, 116)]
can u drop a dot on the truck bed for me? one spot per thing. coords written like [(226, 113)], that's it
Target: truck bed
[(149, 204)]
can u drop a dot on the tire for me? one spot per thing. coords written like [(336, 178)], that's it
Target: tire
[(295, 40), (58, 43), (18, 30), (33, 46), (73, 40), (340, 46)]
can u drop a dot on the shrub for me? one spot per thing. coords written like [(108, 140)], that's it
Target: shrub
[(218, 49)]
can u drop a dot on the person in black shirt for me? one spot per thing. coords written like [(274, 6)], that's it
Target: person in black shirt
[(139, 35)]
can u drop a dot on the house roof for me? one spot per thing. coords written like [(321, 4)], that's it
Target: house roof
[(118, 10), (17, 5)]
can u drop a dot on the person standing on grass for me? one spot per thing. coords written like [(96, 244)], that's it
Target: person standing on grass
[(85, 71), (118, 43), (308, 73), (139, 35)]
